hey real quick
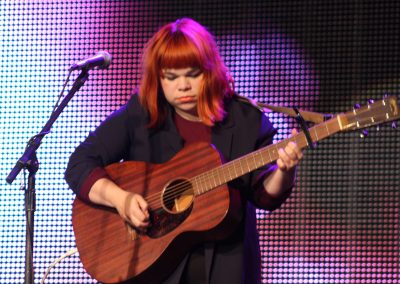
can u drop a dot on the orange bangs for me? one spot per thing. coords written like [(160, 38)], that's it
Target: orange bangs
[(179, 52)]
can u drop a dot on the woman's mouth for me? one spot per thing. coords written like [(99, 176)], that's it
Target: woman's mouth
[(186, 99)]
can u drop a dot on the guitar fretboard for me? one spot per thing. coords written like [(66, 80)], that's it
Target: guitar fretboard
[(250, 162)]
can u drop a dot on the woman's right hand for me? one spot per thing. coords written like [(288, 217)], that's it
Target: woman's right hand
[(133, 208)]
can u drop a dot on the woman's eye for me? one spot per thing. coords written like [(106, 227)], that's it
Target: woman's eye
[(170, 78), (195, 74)]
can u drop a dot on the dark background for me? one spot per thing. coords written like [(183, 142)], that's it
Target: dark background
[(341, 224)]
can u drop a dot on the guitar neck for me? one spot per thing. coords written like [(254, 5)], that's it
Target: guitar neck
[(250, 162)]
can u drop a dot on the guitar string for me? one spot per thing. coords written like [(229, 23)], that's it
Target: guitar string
[(183, 186), (212, 175), (209, 177)]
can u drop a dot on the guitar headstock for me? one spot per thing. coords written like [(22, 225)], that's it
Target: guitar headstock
[(378, 112)]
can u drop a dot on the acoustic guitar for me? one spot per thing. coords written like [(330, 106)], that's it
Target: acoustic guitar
[(189, 202)]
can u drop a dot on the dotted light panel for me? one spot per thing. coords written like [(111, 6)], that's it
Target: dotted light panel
[(341, 225)]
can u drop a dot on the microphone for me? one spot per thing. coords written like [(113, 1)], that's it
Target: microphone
[(101, 60)]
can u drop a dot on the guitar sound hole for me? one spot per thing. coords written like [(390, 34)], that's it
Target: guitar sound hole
[(178, 196)]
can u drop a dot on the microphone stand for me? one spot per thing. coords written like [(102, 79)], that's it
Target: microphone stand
[(28, 161)]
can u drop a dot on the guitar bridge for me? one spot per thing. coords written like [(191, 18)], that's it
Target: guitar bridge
[(132, 232)]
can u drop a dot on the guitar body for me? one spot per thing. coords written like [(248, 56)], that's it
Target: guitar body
[(112, 251), (189, 203)]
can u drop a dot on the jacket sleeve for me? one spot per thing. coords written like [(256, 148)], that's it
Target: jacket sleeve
[(265, 138), (107, 144)]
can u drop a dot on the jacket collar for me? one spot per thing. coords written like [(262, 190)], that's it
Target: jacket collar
[(172, 135), (221, 133)]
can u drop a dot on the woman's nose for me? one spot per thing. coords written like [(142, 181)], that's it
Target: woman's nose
[(184, 84)]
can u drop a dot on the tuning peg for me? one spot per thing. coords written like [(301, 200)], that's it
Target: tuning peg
[(356, 106), (394, 124), (364, 133), (370, 101)]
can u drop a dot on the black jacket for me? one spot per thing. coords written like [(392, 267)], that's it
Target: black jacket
[(124, 136)]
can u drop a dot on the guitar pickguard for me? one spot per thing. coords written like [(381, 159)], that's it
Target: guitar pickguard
[(163, 222), (177, 203)]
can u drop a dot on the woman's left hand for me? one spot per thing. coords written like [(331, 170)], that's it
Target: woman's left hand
[(290, 156)]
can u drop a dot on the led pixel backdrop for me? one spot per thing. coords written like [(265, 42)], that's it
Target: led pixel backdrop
[(341, 225)]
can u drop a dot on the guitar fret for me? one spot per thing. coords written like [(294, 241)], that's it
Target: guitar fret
[(201, 188), (207, 181), (200, 185), (219, 179), (327, 129), (316, 134), (270, 158), (258, 160), (229, 172), (195, 186), (215, 180), (275, 153), (210, 179), (252, 161), (261, 157)]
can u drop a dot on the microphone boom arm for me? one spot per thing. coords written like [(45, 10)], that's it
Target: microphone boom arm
[(34, 143), (29, 161)]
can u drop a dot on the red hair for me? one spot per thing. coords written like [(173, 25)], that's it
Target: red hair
[(182, 44)]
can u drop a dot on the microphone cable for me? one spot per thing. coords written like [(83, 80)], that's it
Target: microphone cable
[(65, 255)]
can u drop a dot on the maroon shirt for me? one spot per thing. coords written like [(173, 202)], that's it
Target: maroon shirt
[(192, 131)]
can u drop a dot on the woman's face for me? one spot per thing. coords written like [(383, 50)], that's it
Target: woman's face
[(181, 89)]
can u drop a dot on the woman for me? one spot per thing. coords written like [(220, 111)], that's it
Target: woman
[(185, 96)]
